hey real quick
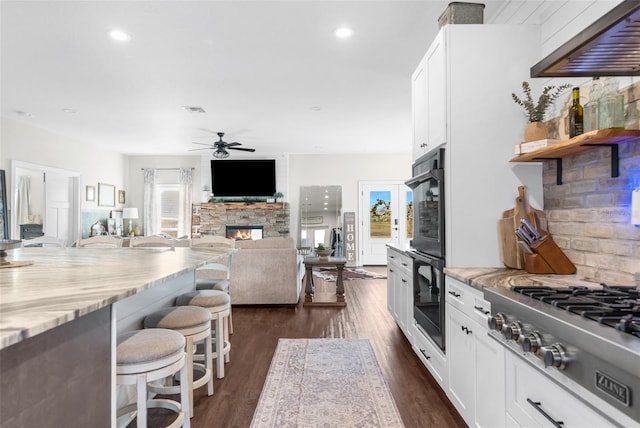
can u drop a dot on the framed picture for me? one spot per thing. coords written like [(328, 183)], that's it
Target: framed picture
[(115, 218), (106, 195), (90, 193), (121, 197)]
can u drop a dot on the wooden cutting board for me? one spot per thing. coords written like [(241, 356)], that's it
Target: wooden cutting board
[(511, 253)]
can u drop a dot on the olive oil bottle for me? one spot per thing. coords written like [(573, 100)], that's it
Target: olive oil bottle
[(576, 115)]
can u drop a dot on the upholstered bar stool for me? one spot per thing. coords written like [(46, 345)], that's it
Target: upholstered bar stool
[(204, 281), (194, 323), (219, 305), (144, 356)]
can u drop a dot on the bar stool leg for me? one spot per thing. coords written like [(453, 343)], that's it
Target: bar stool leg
[(219, 346), (186, 391), (141, 394)]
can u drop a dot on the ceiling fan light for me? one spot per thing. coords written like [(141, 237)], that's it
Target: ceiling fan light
[(221, 154)]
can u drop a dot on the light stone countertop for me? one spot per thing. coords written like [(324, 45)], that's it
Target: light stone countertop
[(66, 283), (496, 277)]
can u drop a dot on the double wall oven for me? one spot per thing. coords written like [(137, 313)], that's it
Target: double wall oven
[(428, 244)]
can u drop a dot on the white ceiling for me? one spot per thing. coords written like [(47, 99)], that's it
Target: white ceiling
[(270, 74)]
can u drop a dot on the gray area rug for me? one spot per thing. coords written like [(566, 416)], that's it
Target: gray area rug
[(325, 383)]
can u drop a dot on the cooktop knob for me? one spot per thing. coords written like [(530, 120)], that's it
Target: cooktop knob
[(497, 321), (555, 356), (513, 331), (531, 342)]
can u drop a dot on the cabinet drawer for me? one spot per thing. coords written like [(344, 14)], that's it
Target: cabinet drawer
[(463, 296), (431, 356), (531, 395), (28, 231), (401, 261)]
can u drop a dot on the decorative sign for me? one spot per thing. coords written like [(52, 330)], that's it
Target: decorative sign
[(349, 227)]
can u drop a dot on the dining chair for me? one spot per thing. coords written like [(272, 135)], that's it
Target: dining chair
[(44, 241), (215, 275), (100, 241), (153, 241)]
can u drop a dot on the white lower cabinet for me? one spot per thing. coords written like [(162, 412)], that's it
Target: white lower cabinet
[(476, 385), (536, 401), (431, 356), (400, 290)]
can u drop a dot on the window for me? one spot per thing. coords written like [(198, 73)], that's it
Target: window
[(168, 198)]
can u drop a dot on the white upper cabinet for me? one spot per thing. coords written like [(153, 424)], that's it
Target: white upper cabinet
[(436, 95), (429, 102), (419, 109)]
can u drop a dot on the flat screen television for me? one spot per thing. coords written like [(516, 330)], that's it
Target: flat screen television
[(243, 178)]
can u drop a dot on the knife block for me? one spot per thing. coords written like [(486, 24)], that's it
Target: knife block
[(548, 258)]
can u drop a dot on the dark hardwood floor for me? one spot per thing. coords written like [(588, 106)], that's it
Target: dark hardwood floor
[(418, 397)]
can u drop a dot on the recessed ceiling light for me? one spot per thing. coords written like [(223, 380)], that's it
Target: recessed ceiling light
[(119, 35), (343, 32), (193, 109), (24, 113), (69, 111)]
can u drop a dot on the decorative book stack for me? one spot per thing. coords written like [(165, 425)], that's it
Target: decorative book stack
[(522, 148)]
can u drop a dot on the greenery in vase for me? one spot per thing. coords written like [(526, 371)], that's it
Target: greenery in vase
[(537, 111), (320, 247)]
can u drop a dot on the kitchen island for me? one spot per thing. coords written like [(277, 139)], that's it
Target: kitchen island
[(59, 318)]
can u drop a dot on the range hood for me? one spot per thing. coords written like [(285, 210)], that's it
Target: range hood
[(608, 47)]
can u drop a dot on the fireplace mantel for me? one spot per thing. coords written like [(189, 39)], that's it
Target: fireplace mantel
[(273, 217)]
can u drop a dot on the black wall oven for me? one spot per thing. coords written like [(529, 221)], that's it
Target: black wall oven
[(428, 243), (428, 296), (427, 184)]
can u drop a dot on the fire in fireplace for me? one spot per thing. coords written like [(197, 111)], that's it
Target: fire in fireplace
[(244, 232)]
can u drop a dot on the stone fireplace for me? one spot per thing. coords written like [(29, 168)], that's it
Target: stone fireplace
[(243, 232), (273, 218)]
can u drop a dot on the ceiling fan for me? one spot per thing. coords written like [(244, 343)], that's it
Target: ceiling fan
[(221, 147)]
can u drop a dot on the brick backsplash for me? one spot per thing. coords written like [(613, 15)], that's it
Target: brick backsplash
[(589, 215)]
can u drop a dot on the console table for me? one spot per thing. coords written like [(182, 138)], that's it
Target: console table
[(334, 262)]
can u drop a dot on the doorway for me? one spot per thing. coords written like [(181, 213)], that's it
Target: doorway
[(46, 196), (386, 213)]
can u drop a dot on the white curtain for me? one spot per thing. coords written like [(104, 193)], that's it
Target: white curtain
[(184, 214), (150, 217), (24, 199)]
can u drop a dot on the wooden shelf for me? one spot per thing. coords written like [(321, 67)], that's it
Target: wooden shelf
[(598, 138)]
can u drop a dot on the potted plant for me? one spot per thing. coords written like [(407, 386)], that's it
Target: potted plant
[(537, 129), (323, 252), (278, 197)]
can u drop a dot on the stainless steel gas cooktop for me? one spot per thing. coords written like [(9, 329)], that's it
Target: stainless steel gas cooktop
[(589, 334)]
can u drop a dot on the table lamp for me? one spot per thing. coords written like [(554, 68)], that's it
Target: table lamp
[(131, 214)]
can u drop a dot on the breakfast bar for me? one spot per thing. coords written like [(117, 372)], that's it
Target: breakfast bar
[(59, 318)]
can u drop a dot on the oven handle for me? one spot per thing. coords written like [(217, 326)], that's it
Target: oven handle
[(436, 174), (432, 261), (536, 405)]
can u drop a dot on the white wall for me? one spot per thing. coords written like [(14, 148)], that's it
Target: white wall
[(20, 142)]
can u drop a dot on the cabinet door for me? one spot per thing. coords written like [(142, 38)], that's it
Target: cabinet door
[(460, 356), (392, 274), (489, 380), (419, 109), (436, 92), (406, 299)]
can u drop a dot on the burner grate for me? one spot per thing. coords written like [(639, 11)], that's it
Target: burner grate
[(616, 306)]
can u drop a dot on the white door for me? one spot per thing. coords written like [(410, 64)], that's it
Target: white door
[(386, 217), (59, 220)]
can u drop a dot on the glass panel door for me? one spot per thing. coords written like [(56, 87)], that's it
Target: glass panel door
[(386, 218)]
